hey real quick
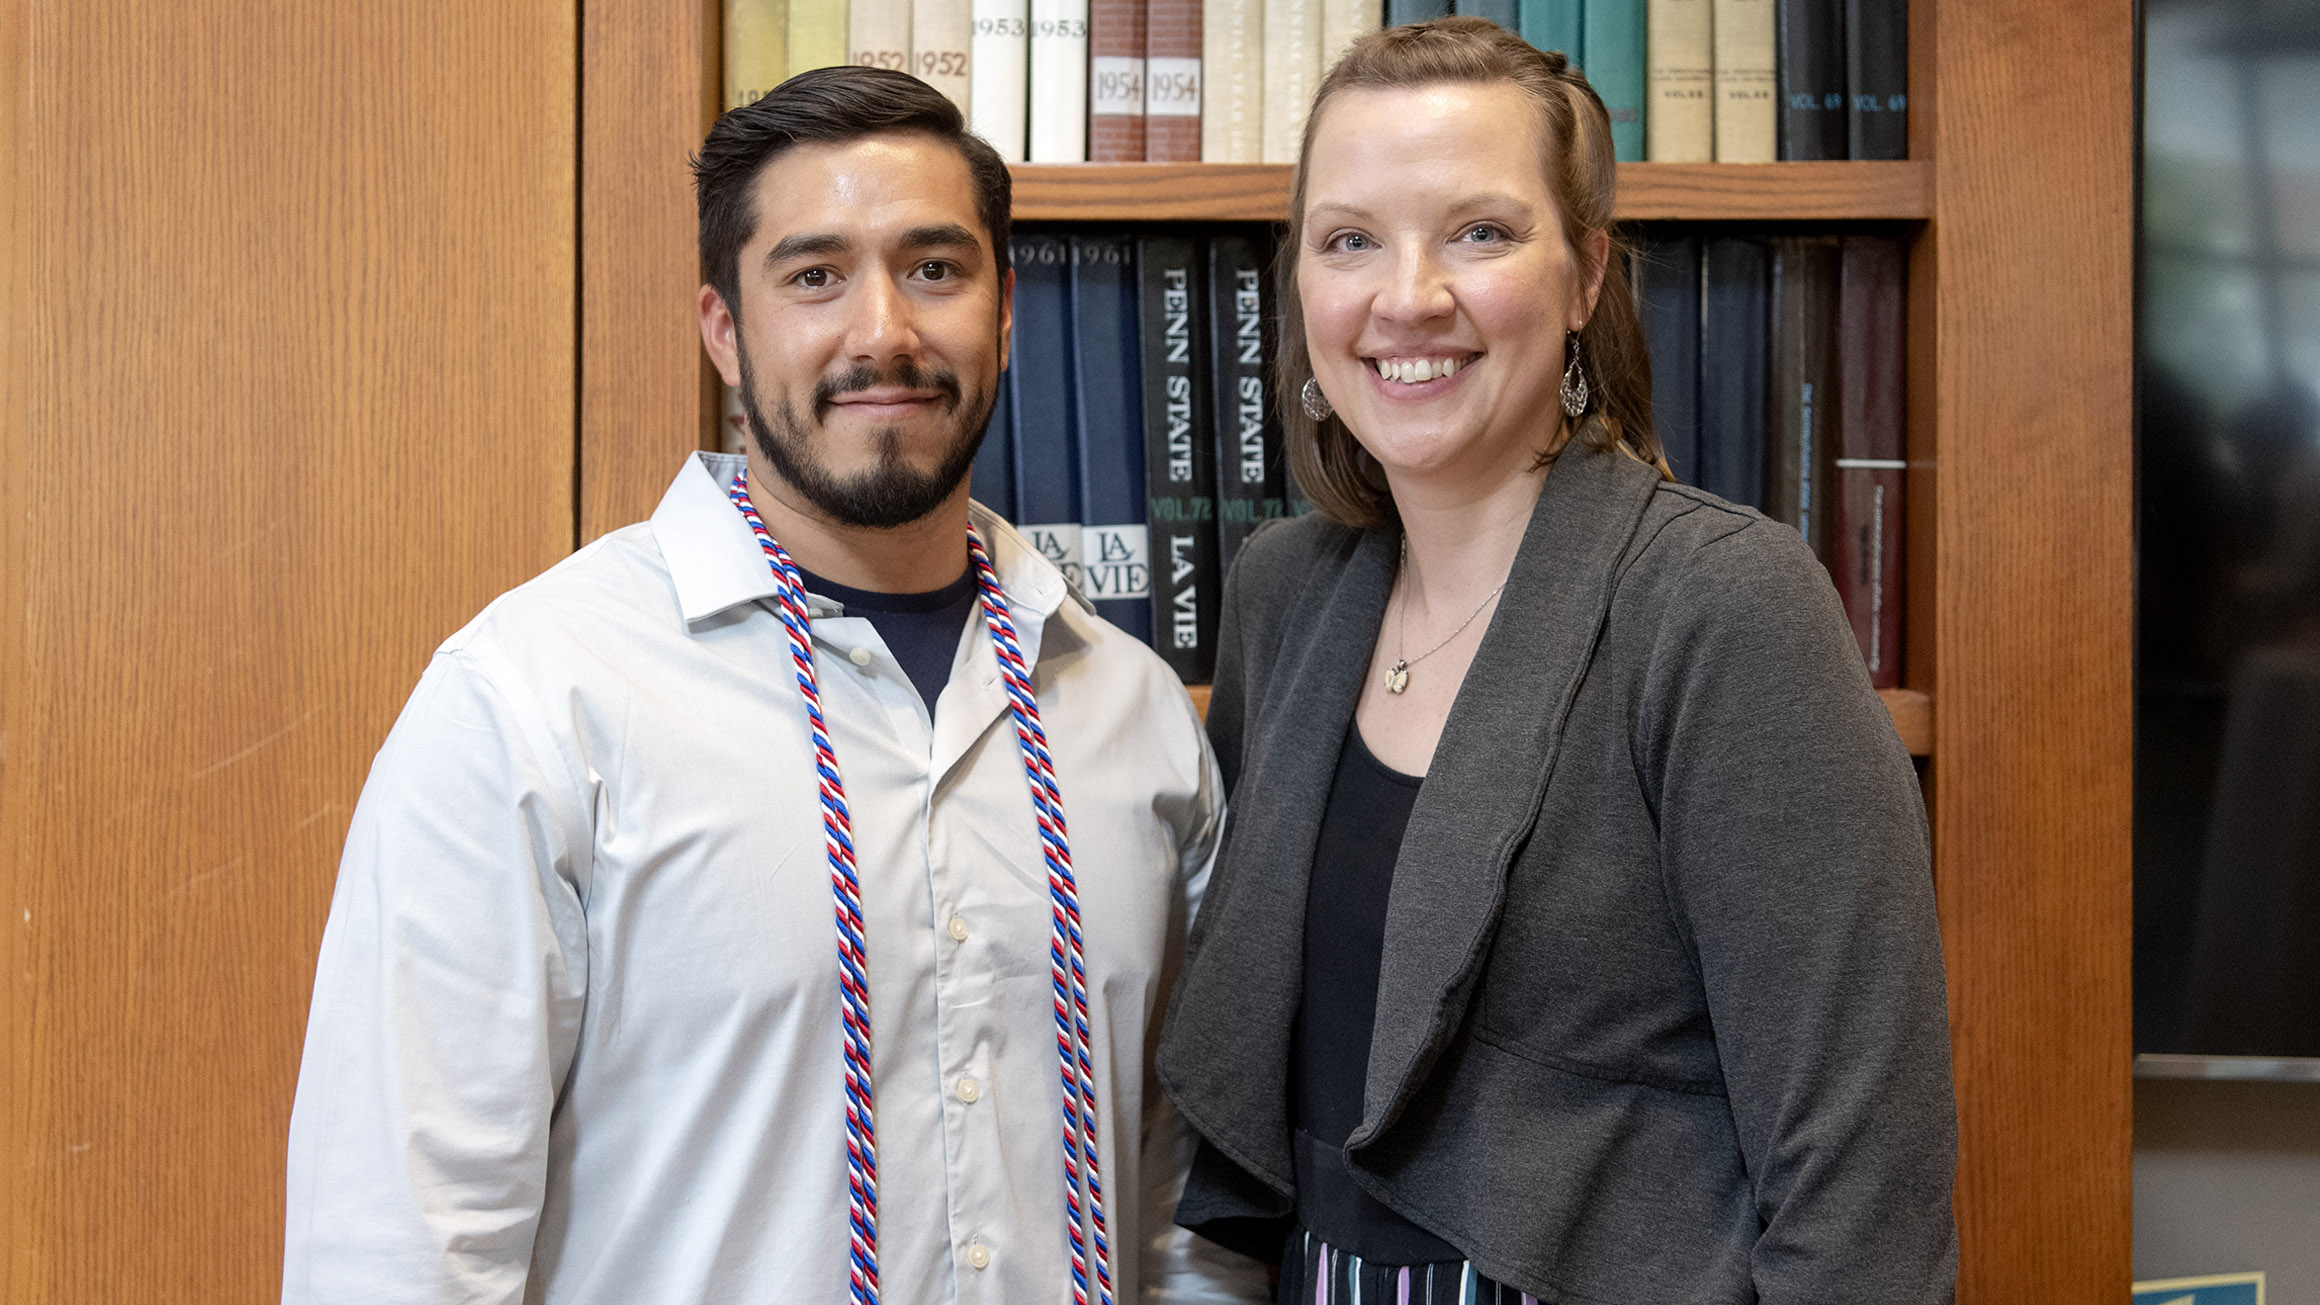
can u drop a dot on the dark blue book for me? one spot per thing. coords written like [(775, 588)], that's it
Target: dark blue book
[(1039, 392), (1877, 78), (1554, 25), (1505, 13), (993, 481), (1399, 12), (1108, 427), (1735, 290), (1801, 408), (1179, 456), (1667, 282), (1812, 78), (1247, 425)]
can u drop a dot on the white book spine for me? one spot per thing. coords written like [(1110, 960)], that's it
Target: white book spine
[(1679, 115), (878, 34), (942, 37), (1059, 81), (1292, 73), (1002, 52), (1342, 23), (1747, 82), (1232, 81)]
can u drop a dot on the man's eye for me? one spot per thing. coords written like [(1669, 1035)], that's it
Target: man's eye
[(814, 278), (934, 269)]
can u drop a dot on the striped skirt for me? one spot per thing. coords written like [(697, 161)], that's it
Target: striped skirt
[(1316, 1273)]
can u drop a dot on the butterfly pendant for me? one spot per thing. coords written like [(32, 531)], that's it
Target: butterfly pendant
[(1398, 678)]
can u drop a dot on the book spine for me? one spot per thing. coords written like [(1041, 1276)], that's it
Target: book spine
[(1812, 78), (1400, 13), (1801, 419), (878, 34), (1248, 482), (1059, 81), (1555, 25), (1681, 112), (1039, 390), (1871, 458), (1172, 81), (1232, 81), (1613, 35), (1342, 23), (1116, 94), (1747, 82), (1107, 419), (756, 49), (817, 34), (1667, 280), (1179, 473), (1877, 78), (1292, 73), (942, 35), (1505, 13), (1733, 288), (992, 482), (1000, 59)]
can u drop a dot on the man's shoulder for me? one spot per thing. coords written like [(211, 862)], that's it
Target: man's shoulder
[(618, 582)]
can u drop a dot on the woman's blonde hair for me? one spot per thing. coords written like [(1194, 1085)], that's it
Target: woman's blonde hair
[(1582, 174)]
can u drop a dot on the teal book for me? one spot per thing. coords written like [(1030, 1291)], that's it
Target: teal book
[(1505, 13), (1554, 25), (1613, 36), (1401, 12)]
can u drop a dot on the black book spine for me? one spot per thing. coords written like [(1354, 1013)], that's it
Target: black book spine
[(1877, 77), (1668, 287), (1812, 78), (1802, 414), (1248, 479), (1733, 292), (1179, 456)]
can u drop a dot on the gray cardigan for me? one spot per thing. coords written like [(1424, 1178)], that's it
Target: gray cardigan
[(1661, 1014)]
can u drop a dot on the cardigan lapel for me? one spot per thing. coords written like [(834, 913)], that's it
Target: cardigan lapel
[(1490, 770), (1227, 1060)]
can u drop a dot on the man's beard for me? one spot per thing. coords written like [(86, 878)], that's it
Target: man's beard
[(892, 492)]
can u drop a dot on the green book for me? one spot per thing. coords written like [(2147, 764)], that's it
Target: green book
[(1614, 40)]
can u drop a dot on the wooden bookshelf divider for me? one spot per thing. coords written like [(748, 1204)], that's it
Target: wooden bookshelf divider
[(1698, 192)]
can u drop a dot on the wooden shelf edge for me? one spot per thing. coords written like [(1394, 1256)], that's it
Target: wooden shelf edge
[(1912, 715), (1703, 192)]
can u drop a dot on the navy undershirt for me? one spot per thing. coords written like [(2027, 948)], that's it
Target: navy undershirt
[(1345, 933), (921, 630)]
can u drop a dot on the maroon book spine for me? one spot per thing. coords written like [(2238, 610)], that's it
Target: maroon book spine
[(1872, 449), (1172, 82), (1115, 81)]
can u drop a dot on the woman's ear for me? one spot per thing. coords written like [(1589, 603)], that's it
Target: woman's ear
[(1594, 261)]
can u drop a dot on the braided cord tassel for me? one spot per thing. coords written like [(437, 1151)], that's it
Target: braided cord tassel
[(846, 887), (1067, 961)]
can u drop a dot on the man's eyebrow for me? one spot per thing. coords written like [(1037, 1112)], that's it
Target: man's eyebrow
[(937, 235), (812, 244)]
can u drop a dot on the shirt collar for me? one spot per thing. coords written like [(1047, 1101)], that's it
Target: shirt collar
[(715, 562)]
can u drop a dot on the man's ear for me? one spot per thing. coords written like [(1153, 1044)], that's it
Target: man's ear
[(719, 335), (1006, 317)]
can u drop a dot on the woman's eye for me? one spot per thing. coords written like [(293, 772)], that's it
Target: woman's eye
[(1352, 242), (1482, 235)]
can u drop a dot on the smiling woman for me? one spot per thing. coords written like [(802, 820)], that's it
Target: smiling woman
[(1542, 960)]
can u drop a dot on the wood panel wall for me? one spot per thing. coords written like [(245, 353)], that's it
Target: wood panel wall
[(644, 383), (2033, 147), (290, 298)]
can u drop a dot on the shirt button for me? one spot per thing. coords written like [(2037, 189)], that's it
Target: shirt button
[(970, 1092), (860, 656), (979, 1256), (958, 929)]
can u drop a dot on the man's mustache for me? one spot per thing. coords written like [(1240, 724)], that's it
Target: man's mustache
[(904, 375)]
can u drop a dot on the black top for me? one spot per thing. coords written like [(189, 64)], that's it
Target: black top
[(921, 630), (1345, 930)]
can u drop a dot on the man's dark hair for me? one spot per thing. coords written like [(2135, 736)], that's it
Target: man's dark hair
[(827, 105)]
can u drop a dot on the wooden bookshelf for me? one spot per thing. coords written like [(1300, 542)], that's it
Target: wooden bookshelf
[(1701, 192), (1912, 715)]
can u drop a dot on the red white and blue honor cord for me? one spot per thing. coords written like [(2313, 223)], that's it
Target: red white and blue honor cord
[(1066, 957)]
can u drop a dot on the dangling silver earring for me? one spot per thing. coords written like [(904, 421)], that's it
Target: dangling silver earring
[(1574, 384), (1315, 403)]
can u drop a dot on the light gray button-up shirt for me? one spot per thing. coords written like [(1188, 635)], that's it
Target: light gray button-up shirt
[(575, 1031)]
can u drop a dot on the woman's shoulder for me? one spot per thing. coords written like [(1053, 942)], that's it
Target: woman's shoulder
[(1692, 539), (1287, 552)]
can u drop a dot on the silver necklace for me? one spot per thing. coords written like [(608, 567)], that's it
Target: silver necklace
[(1398, 678)]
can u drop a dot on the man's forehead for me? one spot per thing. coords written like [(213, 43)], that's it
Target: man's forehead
[(871, 188)]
